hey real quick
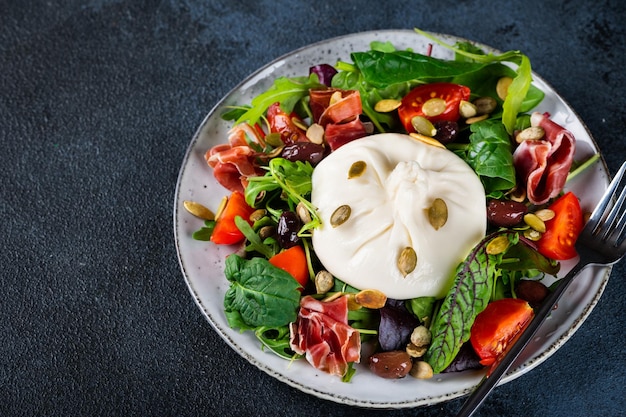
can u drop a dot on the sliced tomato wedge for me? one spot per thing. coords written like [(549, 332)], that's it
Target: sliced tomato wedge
[(293, 260), (497, 325), (558, 242), (281, 122), (226, 231), (412, 103)]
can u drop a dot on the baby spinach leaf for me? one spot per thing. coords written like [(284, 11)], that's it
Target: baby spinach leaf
[(490, 155), (260, 294), (468, 296), (381, 69)]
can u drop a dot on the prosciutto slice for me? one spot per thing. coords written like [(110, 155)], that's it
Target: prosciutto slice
[(321, 333), (235, 161), (543, 164), (340, 118)]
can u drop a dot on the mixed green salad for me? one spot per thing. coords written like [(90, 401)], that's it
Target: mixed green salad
[(477, 105)]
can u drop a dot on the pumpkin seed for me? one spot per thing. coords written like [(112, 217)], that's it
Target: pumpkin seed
[(427, 140), (221, 207), (497, 245), (335, 97), (324, 281), (485, 105), (407, 261), (274, 139), (476, 119), (502, 87), (438, 213), (333, 297), (257, 215), (518, 194), (530, 133), (199, 210), (535, 222), (387, 105), (356, 169), (315, 133), (267, 231), (545, 214), (423, 126), (299, 123), (340, 215), (532, 234), (467, 109), (352, 304), (303, 213), (371, 298), (434, 106), (421, 370)]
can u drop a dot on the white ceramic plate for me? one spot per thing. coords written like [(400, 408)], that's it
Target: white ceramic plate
[(202, 262)]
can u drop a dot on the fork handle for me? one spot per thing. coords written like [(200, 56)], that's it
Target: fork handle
[(498, 369)]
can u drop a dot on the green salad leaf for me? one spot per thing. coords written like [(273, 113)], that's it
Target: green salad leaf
[(489, 153), (468, 296), (260, 294), (381, 69), (286, 91)]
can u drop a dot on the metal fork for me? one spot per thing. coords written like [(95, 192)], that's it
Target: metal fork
[(602, 242)]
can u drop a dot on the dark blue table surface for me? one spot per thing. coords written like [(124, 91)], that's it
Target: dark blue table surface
[(98, 102)]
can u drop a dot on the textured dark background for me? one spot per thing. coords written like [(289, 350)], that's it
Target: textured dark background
[(98, 102)]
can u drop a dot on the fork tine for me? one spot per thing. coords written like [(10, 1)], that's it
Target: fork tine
[(616, 215), (601, 209)]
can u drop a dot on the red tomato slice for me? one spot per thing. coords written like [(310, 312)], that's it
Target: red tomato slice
[(226, 231), (497, 325), (293, 260), (562, 231), (412, 103), (281, 122)]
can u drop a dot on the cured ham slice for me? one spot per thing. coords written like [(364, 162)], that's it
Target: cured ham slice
[(543, 164), (235, 161), (338, 112), (321, 333)]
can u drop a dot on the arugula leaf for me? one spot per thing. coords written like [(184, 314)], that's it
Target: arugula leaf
[(292, 178), (490, 155), (205, 232), (260, 294), (516, 94), (255, 243), (286, 91), (277, 340), (468, 296)]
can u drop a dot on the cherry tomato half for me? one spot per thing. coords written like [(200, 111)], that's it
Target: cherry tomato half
[(412, 103), (226, 231), (562, 231), (497, 325), (293, 260)]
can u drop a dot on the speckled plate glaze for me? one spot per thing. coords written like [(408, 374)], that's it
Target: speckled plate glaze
[(202, 262)]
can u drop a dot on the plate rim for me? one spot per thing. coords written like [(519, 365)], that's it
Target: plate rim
[(512, 374)]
